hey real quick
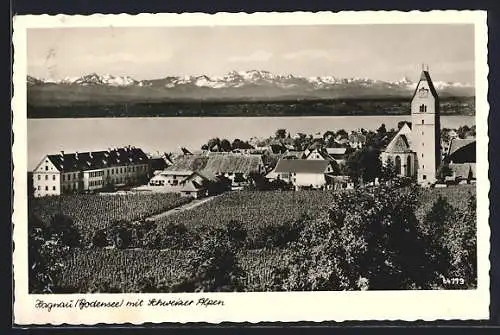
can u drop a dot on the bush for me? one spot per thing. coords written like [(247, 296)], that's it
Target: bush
[(277, 236), (214, 267), (99, 239), (120, 234), (171, 236)]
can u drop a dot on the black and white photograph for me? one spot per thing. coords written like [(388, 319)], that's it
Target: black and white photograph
[(218, 161)]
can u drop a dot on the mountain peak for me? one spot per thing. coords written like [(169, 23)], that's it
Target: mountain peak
[(257, 82)]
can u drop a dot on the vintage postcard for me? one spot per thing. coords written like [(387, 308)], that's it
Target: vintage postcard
[(258, 167)]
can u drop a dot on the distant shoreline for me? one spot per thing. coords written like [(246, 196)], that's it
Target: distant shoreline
[(248, 108)]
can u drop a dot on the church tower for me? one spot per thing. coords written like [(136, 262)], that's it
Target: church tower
[(426, 129)]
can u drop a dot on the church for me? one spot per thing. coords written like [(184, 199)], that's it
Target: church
[(416, 152)]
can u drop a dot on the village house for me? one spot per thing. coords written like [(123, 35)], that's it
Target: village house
[(195, 174), (305, 173), (89, 171), (461, 159)]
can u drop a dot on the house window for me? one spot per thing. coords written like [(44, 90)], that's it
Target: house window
[(53, 188), (422, 155), (423, 144), (46, 168), (422, 133), (38, 187), (422, 121), (424, 177), (46, 177), (46, 188), (39, 177), (54, 177)]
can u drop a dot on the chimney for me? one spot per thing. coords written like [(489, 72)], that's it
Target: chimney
[(62, 155), (90, 154), (76, 155)]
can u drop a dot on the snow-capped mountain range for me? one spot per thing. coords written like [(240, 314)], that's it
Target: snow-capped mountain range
[(251, 84), (235, 79)]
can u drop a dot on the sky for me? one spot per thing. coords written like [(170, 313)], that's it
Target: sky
[(384, 52)]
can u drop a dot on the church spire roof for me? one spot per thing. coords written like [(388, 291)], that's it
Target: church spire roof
[(425, 76)]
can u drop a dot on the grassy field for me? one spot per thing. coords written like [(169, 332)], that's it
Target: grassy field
[(123, 268)]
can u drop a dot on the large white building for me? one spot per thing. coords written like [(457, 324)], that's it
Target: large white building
[(89, 171), (416, 152)]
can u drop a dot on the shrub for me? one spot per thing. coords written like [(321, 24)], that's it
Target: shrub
[(120, 234), (214, 267), (99, 239), (171, 236)]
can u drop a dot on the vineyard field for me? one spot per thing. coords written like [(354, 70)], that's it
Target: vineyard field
[(91, 212), (122, 269), (257, 209)]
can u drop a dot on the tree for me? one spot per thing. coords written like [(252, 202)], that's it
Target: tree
[(214, 267), (444, 171), (225, 145), (364, 165), (61, 228), (389, 170), (342, 133), (47, 244), (280, 133), (214, 144), (382, 130)]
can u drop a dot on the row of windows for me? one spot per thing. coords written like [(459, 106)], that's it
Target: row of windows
[(46, 188), (95, 183), (96, 174), (47, 177), (74, 175)]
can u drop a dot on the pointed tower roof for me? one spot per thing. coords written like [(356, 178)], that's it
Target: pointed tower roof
[(425, 76)]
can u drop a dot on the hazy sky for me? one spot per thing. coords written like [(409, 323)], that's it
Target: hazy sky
[(386, 52)]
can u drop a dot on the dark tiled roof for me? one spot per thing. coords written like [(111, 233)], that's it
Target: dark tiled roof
[(233, 163), (83, 161), (399, 144), (458, 143), (189, 163), (301, 166)]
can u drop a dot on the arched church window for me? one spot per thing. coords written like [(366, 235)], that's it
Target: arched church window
[(398, 164), (408, 166)]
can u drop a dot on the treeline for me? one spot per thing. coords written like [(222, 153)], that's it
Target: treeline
[(368, 239), (375, 106)]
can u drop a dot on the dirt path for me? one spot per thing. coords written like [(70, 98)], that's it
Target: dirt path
[(185, 207)]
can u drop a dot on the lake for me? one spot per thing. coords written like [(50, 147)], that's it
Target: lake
[(50, 136)]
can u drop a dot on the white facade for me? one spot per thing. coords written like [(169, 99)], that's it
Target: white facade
[(46, 179), (426, 130)]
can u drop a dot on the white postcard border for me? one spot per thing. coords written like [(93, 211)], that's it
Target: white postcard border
[(268, 306)]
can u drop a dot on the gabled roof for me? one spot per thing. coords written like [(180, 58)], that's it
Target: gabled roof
[(458, 143), (301, 166), (399, 144), (191, 186), (233, 163), (462, 151), (95, 160), (189, 163), (425, 76)]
